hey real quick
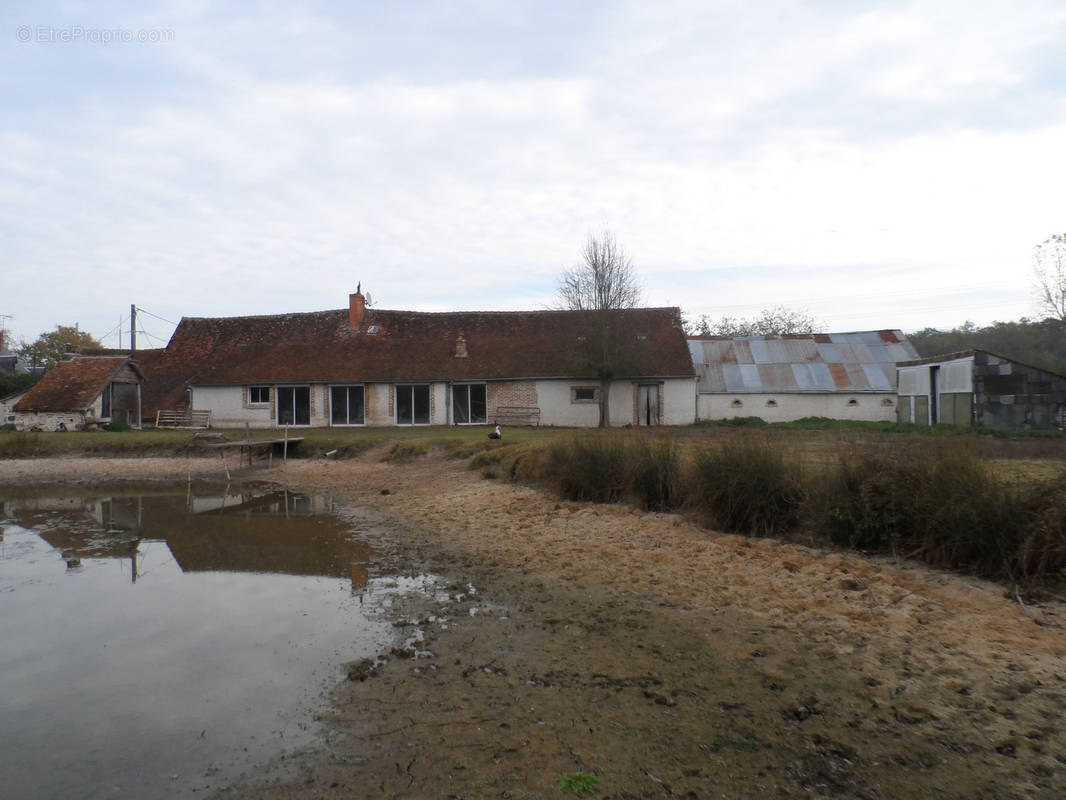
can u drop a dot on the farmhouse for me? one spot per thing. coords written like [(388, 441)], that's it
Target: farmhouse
[(788, 377), (85, 391), (978, 388), (366, 366)]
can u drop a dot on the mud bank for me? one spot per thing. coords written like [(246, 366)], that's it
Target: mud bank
[(667, 660)]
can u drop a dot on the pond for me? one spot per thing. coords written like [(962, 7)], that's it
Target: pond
[(160, 644)]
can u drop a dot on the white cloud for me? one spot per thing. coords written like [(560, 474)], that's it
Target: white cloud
[(743, 154)]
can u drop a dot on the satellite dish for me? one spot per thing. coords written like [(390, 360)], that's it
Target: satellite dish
[(368, 300)]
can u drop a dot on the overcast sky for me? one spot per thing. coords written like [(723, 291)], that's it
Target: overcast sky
[(875, 164)]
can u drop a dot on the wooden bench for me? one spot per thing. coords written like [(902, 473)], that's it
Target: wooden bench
[(183, 419), (517, 415)]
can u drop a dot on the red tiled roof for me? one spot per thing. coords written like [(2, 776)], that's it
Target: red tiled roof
[(71, 385), (410, 346)]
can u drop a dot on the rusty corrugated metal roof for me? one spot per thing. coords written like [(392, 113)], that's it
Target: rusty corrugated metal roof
[(863, 361)]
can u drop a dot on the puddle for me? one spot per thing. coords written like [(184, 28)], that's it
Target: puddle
[(157, 645)]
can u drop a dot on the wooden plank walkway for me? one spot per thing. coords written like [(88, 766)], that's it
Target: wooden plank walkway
[(250, 445)]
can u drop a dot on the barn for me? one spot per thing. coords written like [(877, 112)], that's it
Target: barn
[(982, 389), (787, 377)]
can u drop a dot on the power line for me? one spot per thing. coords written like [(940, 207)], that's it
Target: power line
[(161, 319)]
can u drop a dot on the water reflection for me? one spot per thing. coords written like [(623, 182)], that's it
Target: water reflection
[(158, 644), (231, 531)]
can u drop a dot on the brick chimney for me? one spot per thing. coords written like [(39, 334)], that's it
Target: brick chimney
[(460, 346), (356, 307), (1, 338)]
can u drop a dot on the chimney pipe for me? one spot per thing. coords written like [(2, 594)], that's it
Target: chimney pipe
[(356, 307)]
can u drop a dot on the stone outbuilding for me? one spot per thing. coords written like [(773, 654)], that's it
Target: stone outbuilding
[(83, 392)]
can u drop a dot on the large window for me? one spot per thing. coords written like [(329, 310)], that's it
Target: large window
[(412, 404), (346, 405), (294, 405), (468, 404)]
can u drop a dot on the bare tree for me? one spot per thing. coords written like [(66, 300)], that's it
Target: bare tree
[(1049, 270), (602, 285), (777, 320)]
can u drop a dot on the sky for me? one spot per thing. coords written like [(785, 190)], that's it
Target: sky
[(875, 165)]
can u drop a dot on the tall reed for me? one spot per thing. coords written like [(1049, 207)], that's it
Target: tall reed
[(747, 485)]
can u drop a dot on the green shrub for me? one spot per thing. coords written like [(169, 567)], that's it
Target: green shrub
[(732, 422), (580, 782), (747, 486)]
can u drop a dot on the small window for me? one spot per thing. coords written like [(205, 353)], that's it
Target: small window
[(373, 330), (887, 402), (584, 394), (771, 404), (737, 404), (853, 402), (258, 395)]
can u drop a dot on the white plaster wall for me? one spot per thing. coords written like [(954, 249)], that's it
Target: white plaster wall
[(678, 407), (226, 404), (797, 406), (439, 413), (319, 405), (379, 411), (679, 402), (556, 408)]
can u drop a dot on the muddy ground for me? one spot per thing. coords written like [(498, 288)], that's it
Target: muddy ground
[(665, 659)]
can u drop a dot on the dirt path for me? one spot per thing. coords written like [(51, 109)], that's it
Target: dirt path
[(667, 660)]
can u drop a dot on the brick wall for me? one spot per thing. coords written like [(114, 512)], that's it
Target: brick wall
[(510, 393)]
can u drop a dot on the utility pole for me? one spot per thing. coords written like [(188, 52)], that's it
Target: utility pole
[(133, 327), (3, 330)]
